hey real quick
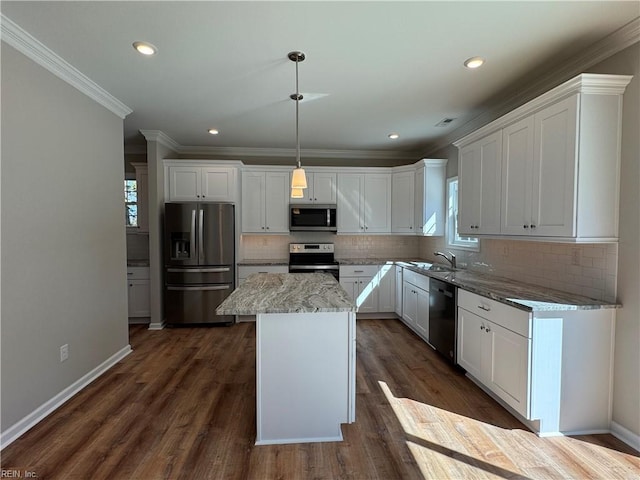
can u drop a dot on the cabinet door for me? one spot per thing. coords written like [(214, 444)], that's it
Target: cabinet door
[(402, 202), (253, 192), (350, 284), (471, 338), (218, 184), (422, 314), (138, 298), (350, 203), (517, 150), (480, 186), (386, 288), (184, 184), (377, 203), (409, 303), (276, 202), (324, 187), (508, 371), (367, 295), (399, 286), (554, 170)]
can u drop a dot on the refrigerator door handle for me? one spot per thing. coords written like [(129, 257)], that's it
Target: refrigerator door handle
[(199, 270), (199, 288), (200, 235), (193, 230)]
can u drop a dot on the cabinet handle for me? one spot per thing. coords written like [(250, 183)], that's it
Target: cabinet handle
[(358, 271), (129, 273), (486, 309)]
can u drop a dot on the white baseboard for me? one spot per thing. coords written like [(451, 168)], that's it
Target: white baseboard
[(22, 426), (626, 435)]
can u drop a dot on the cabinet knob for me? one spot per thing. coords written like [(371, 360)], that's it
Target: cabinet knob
[(263, 228), (526, 226), (315, 199), (487, 329), (410, 228), (267, 228), (131, 284), (481, 327), (532, 226)]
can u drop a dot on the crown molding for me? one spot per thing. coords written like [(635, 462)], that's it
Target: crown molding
[(617, 41), (12, 34), (225, 152), (160, 137), (588, 83)]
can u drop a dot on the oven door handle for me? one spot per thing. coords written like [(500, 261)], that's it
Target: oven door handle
[(199, 288)]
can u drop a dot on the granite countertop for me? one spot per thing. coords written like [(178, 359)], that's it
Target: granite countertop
[(287, 293), (531, 298), (247, 262)]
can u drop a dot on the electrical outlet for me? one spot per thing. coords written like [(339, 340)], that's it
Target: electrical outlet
[(575, 256), (64, 352), (505, 250)]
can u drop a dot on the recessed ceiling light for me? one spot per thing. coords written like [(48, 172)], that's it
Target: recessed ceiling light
[(145, 48), (394, 136), (473, 62), (213, 131)]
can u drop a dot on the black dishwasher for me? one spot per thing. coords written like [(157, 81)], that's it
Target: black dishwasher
[(442, 318)]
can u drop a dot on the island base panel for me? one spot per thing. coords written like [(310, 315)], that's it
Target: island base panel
[(304, 376)]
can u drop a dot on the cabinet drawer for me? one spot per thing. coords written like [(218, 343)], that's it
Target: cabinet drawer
[(137, 273), (245, 271), (420, 281), (358, 270), (511, 318)]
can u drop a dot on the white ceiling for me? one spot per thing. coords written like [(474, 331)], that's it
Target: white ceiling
[(381, 67)]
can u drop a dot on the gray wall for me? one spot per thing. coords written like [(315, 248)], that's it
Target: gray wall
[(63, 256), (626, 386)]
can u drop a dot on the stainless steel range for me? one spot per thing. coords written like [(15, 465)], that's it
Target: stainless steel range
[(313, 257)]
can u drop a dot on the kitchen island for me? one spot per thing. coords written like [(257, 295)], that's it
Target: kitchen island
[(305, 354)]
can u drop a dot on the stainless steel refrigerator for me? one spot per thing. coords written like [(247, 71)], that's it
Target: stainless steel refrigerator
[(199, 253)]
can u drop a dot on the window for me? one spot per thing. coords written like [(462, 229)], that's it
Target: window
[(453, 239), (131, 202)]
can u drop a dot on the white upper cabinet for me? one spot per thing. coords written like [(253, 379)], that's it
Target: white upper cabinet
[(195, 183), (364, 202), (265, 201), (402, 202), (479, 172), (559, 162), (321, 188), (430, 197)]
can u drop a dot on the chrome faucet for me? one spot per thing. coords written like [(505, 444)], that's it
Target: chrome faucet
[(452, 260)]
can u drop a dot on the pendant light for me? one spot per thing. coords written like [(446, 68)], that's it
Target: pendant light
[(298, 179)]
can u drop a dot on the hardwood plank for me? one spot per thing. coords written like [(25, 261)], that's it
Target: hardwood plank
[(182, 405)]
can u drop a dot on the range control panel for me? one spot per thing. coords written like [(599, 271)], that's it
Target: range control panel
[(311, 248)]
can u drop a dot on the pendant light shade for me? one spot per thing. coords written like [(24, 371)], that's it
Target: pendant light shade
[(297, 192), (299, 178)]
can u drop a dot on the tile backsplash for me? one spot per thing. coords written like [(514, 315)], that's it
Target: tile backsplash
[(583, 269), (346, 246)]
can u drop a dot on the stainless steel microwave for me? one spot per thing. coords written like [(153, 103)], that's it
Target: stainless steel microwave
[(311, 217)]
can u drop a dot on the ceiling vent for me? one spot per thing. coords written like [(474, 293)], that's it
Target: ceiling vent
[(445, 122)]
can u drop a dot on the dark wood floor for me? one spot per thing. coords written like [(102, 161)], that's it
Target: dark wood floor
[(182, 406)]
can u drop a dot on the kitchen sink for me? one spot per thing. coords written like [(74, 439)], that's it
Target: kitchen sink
[(440, 268)]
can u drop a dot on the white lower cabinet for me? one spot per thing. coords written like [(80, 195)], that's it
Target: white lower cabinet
[(372, 287), (551, 368), (497, 357), (398, 287), (138, 292), (415, 302)]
